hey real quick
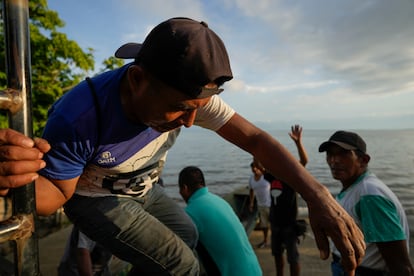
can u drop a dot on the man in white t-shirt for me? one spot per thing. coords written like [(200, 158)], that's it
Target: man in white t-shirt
[(260, 190)]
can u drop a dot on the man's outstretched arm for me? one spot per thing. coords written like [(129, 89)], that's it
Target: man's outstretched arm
[(327, 217)]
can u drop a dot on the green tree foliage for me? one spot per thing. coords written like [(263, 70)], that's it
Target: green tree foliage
[(57, 62), (111, 63)]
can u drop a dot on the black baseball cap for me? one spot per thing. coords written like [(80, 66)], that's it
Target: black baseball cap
[(184, 54), (346, 140)]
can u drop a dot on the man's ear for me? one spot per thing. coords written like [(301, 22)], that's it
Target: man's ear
[(185, 187), (184, 192), (365, 159), (136, 76)]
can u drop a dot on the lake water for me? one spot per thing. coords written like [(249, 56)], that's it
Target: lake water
[(227, 167)]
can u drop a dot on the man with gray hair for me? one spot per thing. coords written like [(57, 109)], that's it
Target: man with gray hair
[(374, 207)]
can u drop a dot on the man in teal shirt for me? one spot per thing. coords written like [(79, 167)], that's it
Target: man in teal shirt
[(220, 230)]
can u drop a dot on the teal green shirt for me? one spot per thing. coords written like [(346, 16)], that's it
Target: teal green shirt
[(222, 234), (378, 213)]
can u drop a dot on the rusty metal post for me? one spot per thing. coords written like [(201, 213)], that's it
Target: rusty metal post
[(17, 39)]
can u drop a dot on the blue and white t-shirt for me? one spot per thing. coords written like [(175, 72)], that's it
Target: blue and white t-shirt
[(111, 155)]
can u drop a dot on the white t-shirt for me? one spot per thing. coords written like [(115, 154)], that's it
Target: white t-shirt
[(261, 190)]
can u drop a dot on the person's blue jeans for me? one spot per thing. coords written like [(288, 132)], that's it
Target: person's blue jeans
[(337, 269), (152, 233)]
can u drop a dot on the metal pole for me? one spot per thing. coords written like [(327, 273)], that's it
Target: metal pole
[(17, 39)]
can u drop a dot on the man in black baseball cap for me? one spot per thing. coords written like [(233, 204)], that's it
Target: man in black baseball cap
[(372, 205), (184, 54), (110, 136), (346, 140)]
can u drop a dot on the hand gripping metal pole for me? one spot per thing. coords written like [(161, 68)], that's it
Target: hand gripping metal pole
[(17, 100)]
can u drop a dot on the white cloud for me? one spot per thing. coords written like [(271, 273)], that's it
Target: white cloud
[(313, 60), (238, 85), (366, 44)]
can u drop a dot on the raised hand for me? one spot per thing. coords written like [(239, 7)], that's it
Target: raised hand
[(296, 133)]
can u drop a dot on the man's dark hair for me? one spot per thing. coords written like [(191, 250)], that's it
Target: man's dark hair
[(192, 177)]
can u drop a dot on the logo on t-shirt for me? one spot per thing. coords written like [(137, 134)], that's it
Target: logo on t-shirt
[(106, 158)]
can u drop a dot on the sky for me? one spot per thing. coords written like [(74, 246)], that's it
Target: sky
[(325, 64)]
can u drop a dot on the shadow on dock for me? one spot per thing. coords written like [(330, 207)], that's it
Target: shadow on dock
[(52, 245), (51, 249)]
